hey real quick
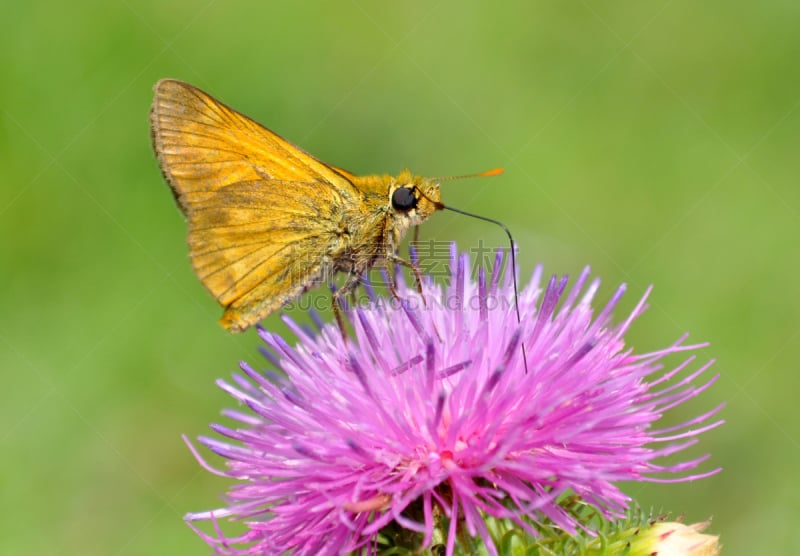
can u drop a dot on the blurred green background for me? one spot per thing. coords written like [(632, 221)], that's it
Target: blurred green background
[(655, 141)]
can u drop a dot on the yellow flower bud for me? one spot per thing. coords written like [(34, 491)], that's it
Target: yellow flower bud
[(675, 539)]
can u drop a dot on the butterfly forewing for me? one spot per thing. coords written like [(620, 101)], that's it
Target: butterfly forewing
[(202, 145)]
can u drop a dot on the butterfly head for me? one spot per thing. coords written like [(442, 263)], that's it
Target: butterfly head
[(414, 198)]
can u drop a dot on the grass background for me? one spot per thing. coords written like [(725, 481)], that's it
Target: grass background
[(655, 141)]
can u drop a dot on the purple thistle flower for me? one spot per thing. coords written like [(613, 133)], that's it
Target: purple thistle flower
[(430, 416)]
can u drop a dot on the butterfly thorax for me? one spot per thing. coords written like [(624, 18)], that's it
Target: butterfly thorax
[(392, 205)]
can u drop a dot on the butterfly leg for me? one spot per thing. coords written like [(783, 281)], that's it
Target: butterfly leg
[(337, 312), (339, 298), (395, 260), (391, 285)]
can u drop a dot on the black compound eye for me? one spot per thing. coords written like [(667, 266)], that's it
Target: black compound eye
[(403, 199)]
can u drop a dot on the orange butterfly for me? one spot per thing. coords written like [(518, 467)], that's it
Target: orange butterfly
[(268, 221)]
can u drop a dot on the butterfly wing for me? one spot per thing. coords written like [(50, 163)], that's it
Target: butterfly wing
[(263, 214), (255, 247), (202, 144)]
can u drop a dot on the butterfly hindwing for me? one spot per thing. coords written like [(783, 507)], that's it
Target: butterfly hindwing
[(255, 248)]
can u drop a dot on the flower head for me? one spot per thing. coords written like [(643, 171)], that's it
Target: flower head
[(435, 416)]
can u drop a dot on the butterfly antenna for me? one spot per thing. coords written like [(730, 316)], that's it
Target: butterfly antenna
[(485, 174), (513, 258)]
